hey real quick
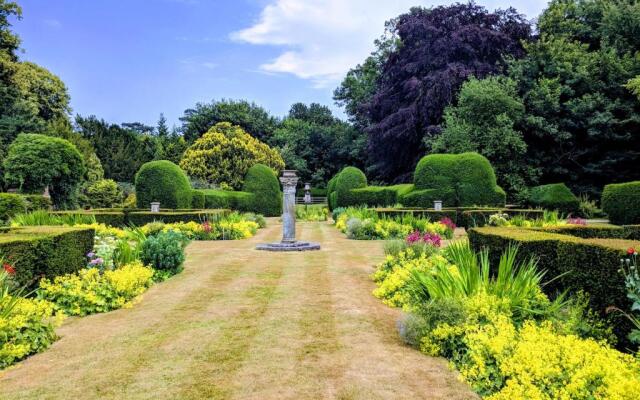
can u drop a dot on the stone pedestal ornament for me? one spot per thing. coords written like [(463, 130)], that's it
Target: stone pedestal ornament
[(289, 243), (155, 207)]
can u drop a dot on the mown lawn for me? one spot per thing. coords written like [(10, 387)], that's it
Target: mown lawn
[(244, 324)]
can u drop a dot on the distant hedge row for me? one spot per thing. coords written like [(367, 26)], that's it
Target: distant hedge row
[(45, 251), (621, 202), (164, 182), (12, 204), (456, 179), (588, 264), (123, 218)]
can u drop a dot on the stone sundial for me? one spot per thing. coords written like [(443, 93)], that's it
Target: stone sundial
[(289, 243)]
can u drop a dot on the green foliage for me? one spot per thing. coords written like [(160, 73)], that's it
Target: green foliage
[(10, 205), (140, 218), (45, 93), (590, 265), (37, 161), (122, 151), (90, 291), (348, 179), (555, 196), (37, 202), (225, 153), (252, 118), (621, 202), (262, 182), (232, 200), (465, 179), (484, 121), (578, 113), (197, 199), (165, 182), (45, 251), (381, 196), (104, 193), (164, 252), (316, 144), (331, 188)]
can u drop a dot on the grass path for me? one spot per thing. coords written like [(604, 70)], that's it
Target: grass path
[(243, 324)]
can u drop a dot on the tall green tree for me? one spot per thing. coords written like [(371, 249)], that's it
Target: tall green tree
[(581, 123), (162, 129), (486, 120), (252, 118), (121, 151), (316, 144)]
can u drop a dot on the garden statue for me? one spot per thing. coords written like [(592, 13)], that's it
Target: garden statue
[(289, 243)]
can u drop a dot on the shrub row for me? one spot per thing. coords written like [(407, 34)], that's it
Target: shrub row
[(45, 251), (125, 218), (581, 264), (467, 217), (13, 203)]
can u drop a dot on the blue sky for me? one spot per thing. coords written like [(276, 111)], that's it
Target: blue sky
[(129, 60)]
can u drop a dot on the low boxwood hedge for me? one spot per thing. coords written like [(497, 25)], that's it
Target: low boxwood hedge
[(555, 196), (470, 217), (421, 213), (426, 197), (139, 218), (621, 202), (590, 265), (117, 218), (45, 251), (214, 199), (197, 199)]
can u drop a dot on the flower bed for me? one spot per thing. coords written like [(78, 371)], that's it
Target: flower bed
[(363, 224), (505, 337)]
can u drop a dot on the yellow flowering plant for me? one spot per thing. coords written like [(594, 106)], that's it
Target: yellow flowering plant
[(27, 329), (89, 291)]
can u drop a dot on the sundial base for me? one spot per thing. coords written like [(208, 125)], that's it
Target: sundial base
[(289, 246)]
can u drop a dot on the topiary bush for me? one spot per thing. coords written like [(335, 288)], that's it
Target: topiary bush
[(165, 182), (10, 205), (555, 196), (459, 180), (263, 183), (197, 199), (104, 193), (331, 189), (621, 202), (349, 178), (225, 153)]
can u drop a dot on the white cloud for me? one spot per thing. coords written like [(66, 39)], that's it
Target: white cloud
[(323, 39)]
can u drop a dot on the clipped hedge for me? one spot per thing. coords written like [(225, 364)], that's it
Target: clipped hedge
[(197, 199), (582, 264), (214, 198), (331, 188), (465, 179), (164, 182), (10, 205), (555, 196), (264, 186), (117, 218), (621, 202), (139, 218), (426, 197), (470, 218), (37, 202), (433, 215), (349, 178), (45, 251)]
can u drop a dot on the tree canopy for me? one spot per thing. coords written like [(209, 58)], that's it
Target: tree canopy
[(440, 48)]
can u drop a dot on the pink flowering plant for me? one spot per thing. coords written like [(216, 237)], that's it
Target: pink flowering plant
[(428, 238), (576, 221)]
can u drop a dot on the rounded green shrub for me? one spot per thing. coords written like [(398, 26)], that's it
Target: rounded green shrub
[(555, 196), (621, 202), (459, 180), (104, 193), (165, 182), (164, 252), (10, 205), (197, 199), (348, 179), (263, 183)]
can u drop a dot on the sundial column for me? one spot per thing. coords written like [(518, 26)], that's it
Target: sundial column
[(289, 181)]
